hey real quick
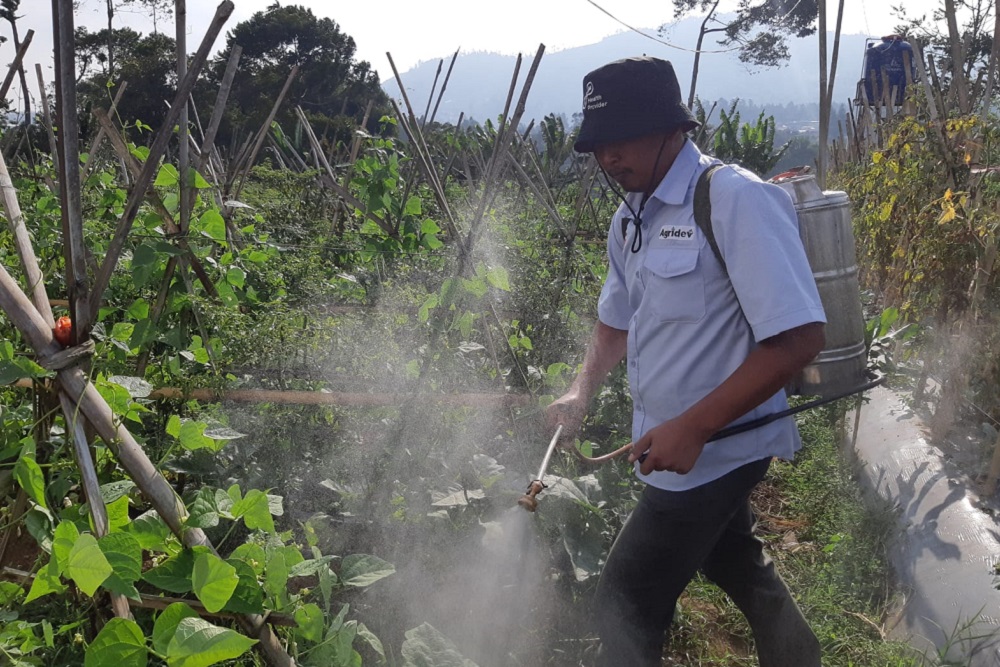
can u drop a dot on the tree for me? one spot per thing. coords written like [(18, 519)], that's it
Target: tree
[(759, 29), (146, 62), (157, 8), (331, 87), (8, 9)]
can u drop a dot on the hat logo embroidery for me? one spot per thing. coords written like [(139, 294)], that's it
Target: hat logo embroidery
[(591, 101)]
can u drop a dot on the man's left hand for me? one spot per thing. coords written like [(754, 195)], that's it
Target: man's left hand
[(673, 446)]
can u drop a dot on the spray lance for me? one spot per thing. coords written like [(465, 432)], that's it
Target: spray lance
[(529, 500)]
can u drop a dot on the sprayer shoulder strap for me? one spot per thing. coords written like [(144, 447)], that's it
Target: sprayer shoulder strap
[(703, 211)]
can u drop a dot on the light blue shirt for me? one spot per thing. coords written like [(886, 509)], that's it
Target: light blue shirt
[(689, 325)]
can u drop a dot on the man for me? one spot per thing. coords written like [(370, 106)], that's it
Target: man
[(707, 345)]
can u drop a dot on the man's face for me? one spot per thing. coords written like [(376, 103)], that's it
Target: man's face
[(631, 162)]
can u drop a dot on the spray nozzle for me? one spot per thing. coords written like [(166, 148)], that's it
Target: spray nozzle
[(528, 501)]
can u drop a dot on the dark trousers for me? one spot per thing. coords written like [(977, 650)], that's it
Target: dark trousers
[(669, 537)]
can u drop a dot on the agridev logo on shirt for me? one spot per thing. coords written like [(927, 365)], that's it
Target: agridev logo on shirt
[(677, 232)]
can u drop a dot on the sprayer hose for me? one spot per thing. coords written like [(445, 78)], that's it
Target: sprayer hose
[(875, 380)]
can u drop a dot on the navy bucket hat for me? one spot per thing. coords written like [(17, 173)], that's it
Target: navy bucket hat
[(628, 99)]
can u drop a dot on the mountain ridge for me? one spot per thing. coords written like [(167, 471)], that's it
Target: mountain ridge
[(480, 81)]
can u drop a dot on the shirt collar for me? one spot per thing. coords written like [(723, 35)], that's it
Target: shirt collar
[(674, 187)]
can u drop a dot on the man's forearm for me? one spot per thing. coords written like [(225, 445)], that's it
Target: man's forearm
[(606, 349), (765, 371)]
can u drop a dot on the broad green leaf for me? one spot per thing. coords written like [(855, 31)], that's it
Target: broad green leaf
[(120, 643), (174, 426), (499, 278), (412, 206), (311, 622), (166, 624), (213, 226), (150, 530), (361, 570), (30, 478), (199, 181), (38, 523), (428, 226), (251, 554), (125, 556), (255, 511), (46, 581), (136, 387), (118, 513), (198, 643), (203, 511), (308, 568), (166, 176), (10, 593), (213, 580), (112, 491), (426, 647), (372, 640), (63, 540), (248, 598), (276, 574), (236, 277), (192, 437), (173, 574), (139, 310), (87, 565)]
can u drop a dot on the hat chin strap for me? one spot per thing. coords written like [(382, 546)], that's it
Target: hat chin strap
[(636, 215)]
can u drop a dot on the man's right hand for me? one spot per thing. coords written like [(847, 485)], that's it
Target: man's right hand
[(568, 410)]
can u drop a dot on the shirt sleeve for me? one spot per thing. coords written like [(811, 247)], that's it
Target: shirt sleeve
[(757, 230), (613, 307)]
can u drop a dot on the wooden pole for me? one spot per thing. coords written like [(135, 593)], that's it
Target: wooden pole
[(16, 66), (824, 119)]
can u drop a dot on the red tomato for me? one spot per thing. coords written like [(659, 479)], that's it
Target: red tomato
[(62, 330)]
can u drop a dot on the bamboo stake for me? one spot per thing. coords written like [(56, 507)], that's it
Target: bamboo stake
[(265, 128), (444, 85), (33, 275), (430, 98), (156, 151), (16, 65), (74, 249), (128, 452), (185, 182), (132, 166), (208, 144), (89, 167), (47, 116)]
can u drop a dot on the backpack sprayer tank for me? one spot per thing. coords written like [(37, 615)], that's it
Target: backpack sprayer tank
[(828, 238)]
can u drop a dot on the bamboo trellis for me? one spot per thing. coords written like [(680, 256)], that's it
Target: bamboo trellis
[(33, 317)]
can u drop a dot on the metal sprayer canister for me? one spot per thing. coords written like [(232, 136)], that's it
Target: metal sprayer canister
[(828, 238)]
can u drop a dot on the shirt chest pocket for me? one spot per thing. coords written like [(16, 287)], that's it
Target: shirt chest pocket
[(674, 289)]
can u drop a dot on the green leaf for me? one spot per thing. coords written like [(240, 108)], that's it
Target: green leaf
[(251, 554), (426, 647), (214, 581), (236, 277), (10, 593), (310, 621), (65, 537), (364, 570), (309, 568), (166, 176), (199, 181), (125, 556), (499, 278), (372, 640), (248, 598), (150, 530), (112, 491), (174, 426), (412, 206), (192, 437), (173, 574), (46, 581), (139, 310), (198, 643), (87, 565), (30, 478), (166, 624), (213, 226), (276, 574), (121, 643), (118, 514), (255, 511), (203, 511)]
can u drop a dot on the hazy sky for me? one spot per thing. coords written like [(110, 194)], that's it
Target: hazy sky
[(414, 31)]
